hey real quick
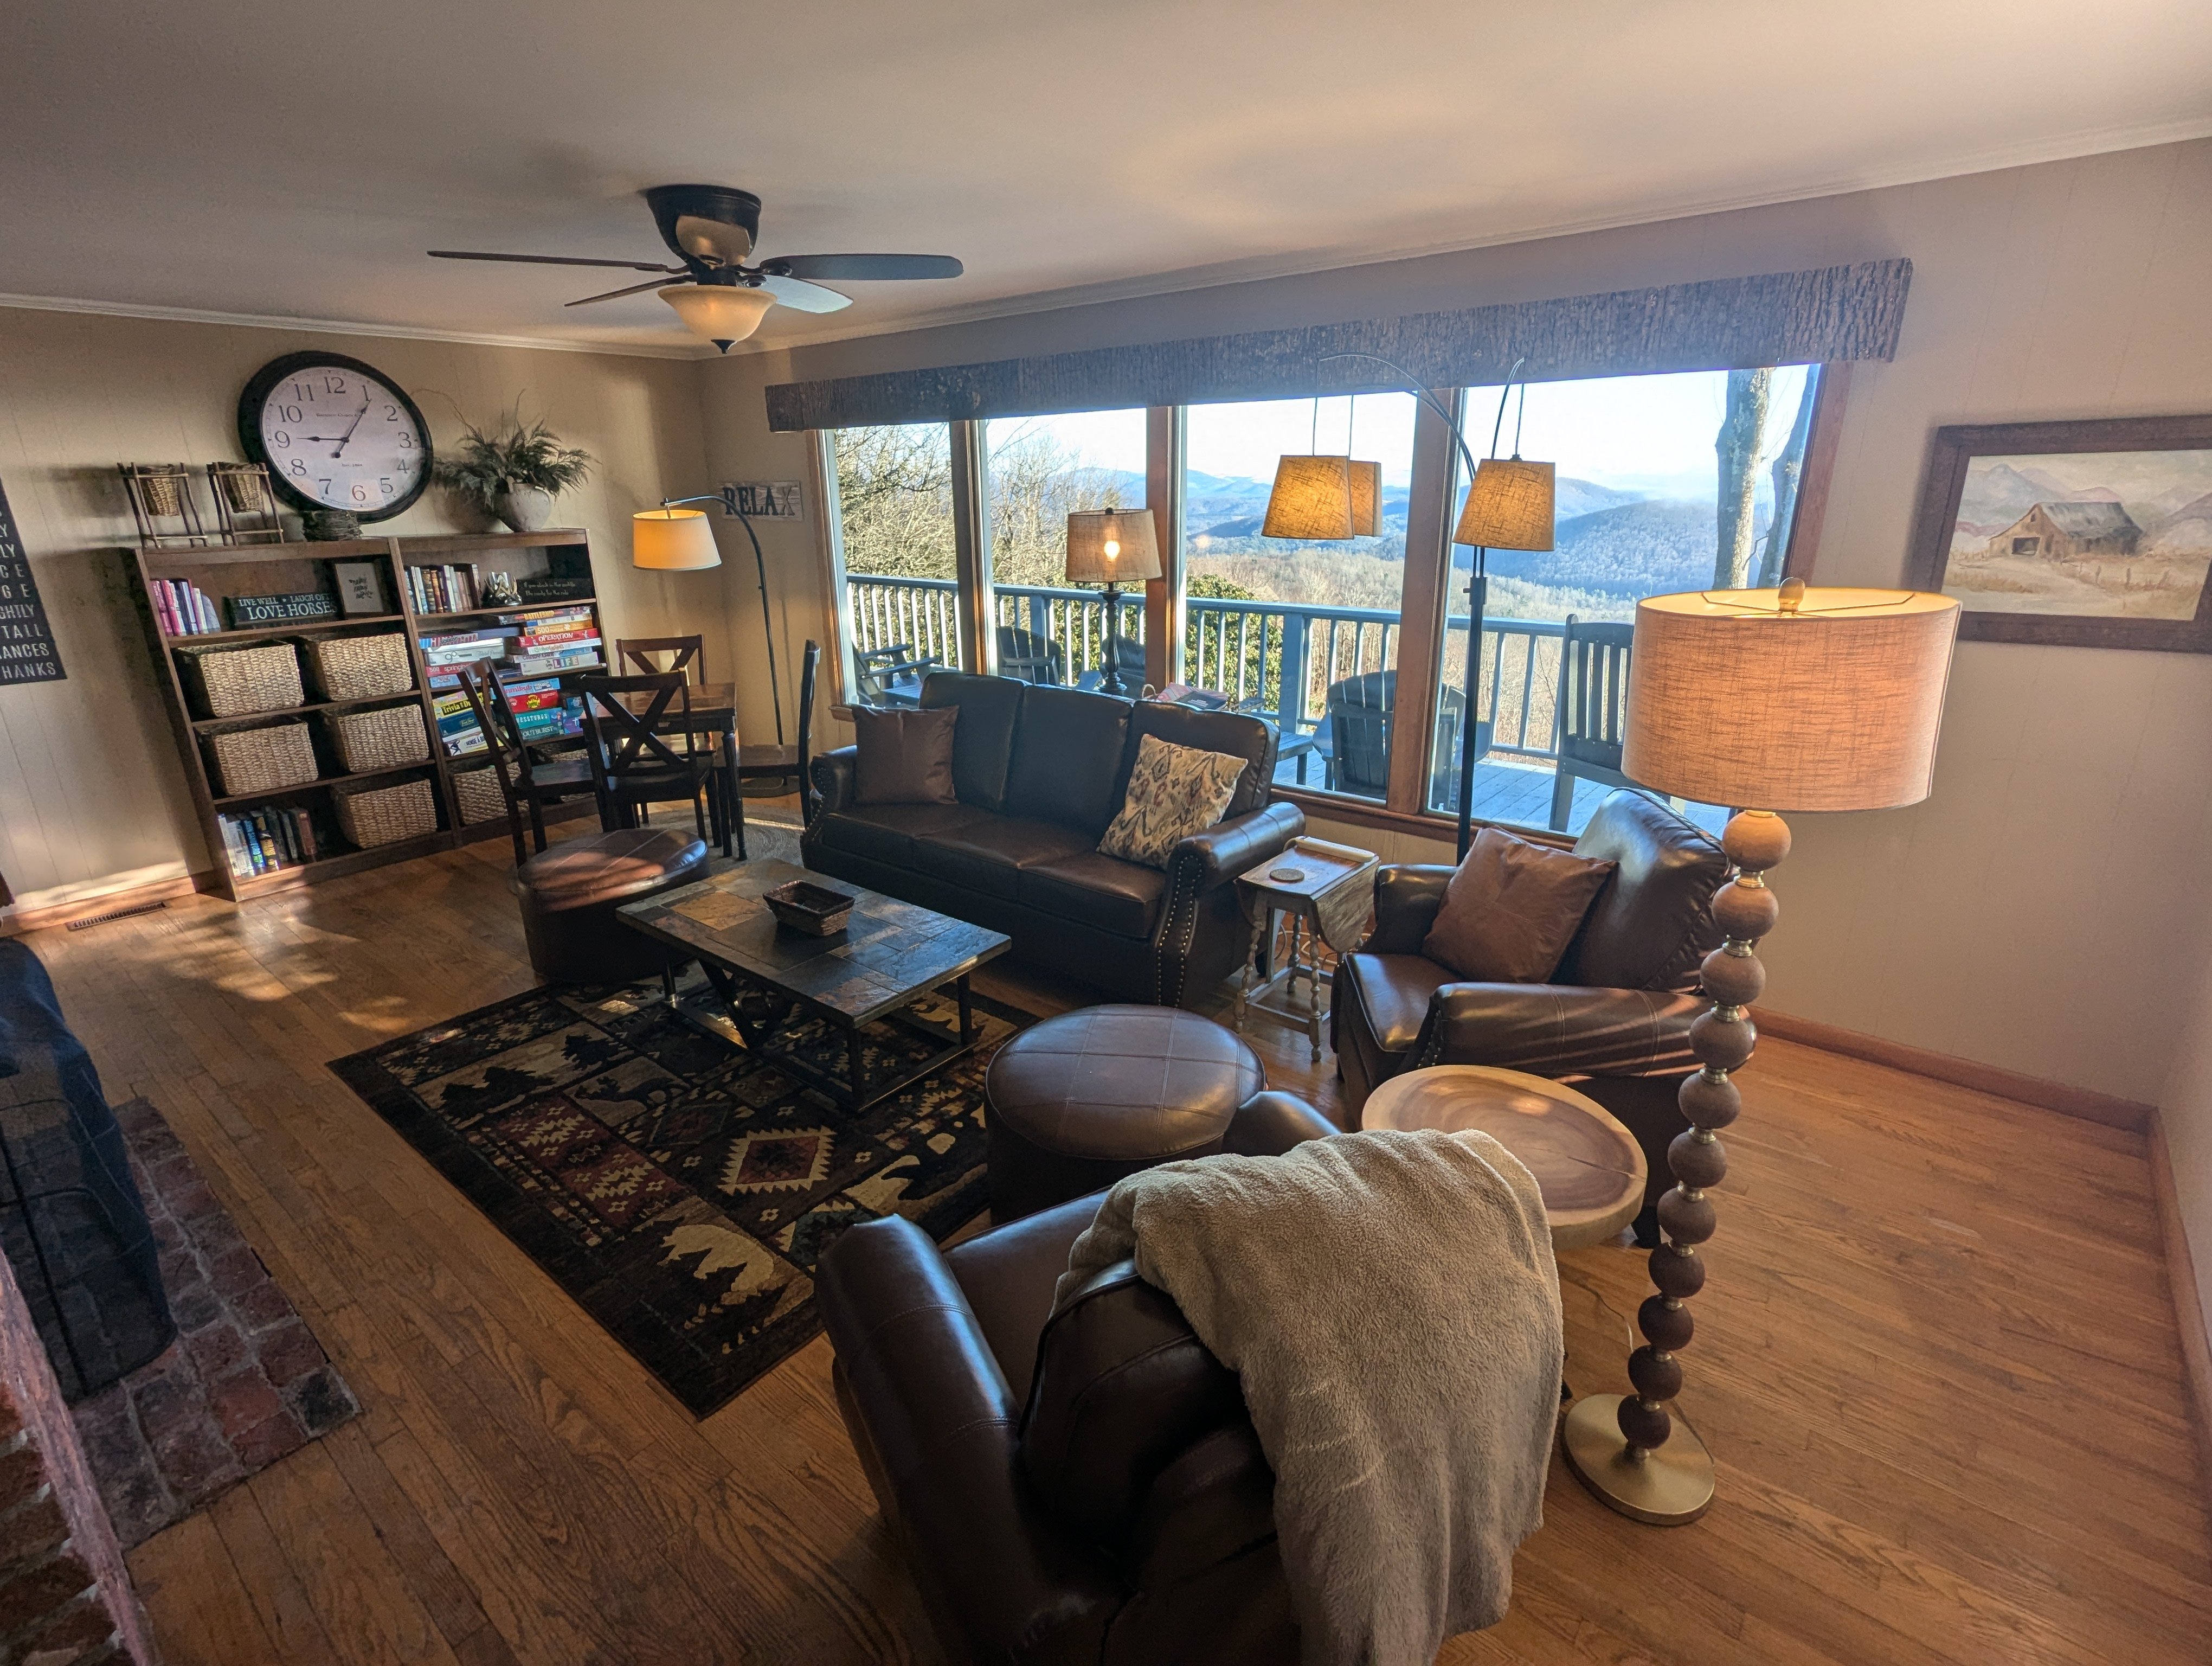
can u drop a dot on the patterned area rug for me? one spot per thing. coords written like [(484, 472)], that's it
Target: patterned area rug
[(681, 1189), (244, 1384)]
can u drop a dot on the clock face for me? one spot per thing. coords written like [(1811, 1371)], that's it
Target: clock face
[(336, 435)]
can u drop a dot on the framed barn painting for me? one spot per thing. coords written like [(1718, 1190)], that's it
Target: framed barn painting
[(2089, 534)]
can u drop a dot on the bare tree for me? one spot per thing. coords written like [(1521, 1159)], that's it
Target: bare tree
[(894, 500), (1035, 485), (1737, 445), (1789, 466)]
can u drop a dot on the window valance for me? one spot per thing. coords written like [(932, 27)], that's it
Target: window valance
[(1821, 316)]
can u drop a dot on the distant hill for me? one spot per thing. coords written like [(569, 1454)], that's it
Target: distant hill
[(1638, 549)]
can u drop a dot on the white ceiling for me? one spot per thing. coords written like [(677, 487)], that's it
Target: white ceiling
[(244, 158)]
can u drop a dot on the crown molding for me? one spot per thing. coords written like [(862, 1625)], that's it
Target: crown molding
[(318, 326), (2076, 147)]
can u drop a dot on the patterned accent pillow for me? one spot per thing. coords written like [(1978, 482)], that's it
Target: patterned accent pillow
[(1174, 792)]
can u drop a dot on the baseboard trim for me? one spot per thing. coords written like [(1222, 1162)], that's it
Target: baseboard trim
[(2091, 1106), (2188, 1305), (14, 921)]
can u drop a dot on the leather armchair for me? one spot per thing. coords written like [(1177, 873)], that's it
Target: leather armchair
[(1616, 1021), (1089, 1489)]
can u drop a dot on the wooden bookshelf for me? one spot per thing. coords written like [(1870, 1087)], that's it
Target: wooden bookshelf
[(224, 572)]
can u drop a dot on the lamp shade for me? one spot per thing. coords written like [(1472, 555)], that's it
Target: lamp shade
[(672, 541), (1509, 506), (1323, 497), (1111, 546), (724, 314), (1735, 700)]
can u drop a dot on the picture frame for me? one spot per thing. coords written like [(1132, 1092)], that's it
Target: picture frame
[(361, 590), (2090, 533)]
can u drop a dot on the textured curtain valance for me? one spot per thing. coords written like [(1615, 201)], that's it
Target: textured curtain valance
[(1820, 317)]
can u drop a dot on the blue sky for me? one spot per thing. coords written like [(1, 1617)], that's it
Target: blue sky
[(1647, 433)]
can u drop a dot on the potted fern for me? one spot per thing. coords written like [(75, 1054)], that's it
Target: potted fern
[(514, 473)]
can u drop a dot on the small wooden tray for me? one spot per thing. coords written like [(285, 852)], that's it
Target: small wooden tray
[(804, 907)]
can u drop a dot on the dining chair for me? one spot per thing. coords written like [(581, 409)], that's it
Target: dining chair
[(635, 755), (527, 783), (769, 763), (640, 655)]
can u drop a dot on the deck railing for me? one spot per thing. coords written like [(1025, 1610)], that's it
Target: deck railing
[(1252, 651)]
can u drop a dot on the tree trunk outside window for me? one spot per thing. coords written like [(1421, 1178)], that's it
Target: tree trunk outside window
[(1737, 446)]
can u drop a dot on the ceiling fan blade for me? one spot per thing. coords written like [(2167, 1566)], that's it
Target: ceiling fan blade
[(862, 267), (615, 294), (804, 297), (552, 261)]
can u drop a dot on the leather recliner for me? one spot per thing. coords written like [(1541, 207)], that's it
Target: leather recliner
[(1089, 1489), (1615, 1019), (1040, 772)]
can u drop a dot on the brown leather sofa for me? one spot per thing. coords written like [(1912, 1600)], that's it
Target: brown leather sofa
[(1089, 1489), (1615, 1022), (1040, 772)]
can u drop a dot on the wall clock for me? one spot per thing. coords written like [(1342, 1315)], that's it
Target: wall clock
[(336, 434)]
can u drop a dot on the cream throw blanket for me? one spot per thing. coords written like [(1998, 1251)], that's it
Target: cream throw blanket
[(1390, 1303)]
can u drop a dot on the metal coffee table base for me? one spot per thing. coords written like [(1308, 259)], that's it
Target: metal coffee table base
[(726, 1018)]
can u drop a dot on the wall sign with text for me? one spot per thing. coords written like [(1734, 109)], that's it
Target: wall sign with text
[(27, 653), (767, 499)]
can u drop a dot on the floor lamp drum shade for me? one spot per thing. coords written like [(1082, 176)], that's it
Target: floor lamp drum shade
[(1112, 547), (1324, 497), (1509, 506), (672, 541), (1736, 698)]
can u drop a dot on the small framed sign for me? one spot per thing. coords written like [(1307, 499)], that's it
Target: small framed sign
[(767, 499), (360, 589), (27, 653)]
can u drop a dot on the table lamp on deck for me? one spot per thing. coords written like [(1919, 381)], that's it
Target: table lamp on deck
[(1112, 547), (1773, 699)]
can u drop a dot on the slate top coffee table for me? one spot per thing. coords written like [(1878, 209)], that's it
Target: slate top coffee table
[(889, 954)]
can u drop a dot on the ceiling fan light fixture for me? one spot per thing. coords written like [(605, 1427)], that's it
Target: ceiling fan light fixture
[(723, 313)]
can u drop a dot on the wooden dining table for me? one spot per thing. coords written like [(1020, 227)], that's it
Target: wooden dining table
[(713, 711)]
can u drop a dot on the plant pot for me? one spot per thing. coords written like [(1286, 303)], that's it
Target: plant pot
[(524, 508)]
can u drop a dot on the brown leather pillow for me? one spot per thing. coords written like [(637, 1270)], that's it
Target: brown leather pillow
[(903, 757), (1511, 909)]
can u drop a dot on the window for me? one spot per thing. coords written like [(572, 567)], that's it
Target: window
[(1038, 470), (1665, 483), (895, 522), (1304, 632)]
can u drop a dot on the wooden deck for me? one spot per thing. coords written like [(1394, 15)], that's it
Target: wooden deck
[(1936, 1362)]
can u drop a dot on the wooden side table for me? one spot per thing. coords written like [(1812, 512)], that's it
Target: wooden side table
[(1324, 888), (1588, 1167)]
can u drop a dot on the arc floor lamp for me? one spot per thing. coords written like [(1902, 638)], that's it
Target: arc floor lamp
[(674, 539)]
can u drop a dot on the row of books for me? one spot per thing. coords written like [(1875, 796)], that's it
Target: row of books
[(447, 589), (541, 712), (184, 610), (507, 646), (562, 640), (274, 836)]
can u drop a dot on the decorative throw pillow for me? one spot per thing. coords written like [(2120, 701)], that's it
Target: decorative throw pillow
[(903, 757), (1174, 792), (1511, 909)]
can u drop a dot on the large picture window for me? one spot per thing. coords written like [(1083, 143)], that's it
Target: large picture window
[(1665, 483), (894, 511), (1303, 632)]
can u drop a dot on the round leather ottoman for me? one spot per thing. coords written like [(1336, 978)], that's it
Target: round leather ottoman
[(1077, 1102), (570, 892)]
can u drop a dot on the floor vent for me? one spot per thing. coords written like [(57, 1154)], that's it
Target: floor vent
[(117, 913)]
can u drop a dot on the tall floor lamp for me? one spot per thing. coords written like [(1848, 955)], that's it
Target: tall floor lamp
[(672, 539), (1789, 699)]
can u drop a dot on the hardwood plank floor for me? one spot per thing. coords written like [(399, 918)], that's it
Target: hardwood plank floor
[(1936, 1362)]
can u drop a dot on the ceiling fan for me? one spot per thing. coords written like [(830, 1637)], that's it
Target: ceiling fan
[(712, 229)]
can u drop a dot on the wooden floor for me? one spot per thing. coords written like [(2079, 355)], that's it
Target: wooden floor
[(1935, 1359)]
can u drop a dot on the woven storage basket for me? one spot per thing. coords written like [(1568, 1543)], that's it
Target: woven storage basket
[(238, 681), (384, 815), (264, 759), (383, 739), (360, 667), (478, 794)]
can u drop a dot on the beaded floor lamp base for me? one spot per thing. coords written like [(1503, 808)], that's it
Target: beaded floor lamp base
[(1625, 1448)]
